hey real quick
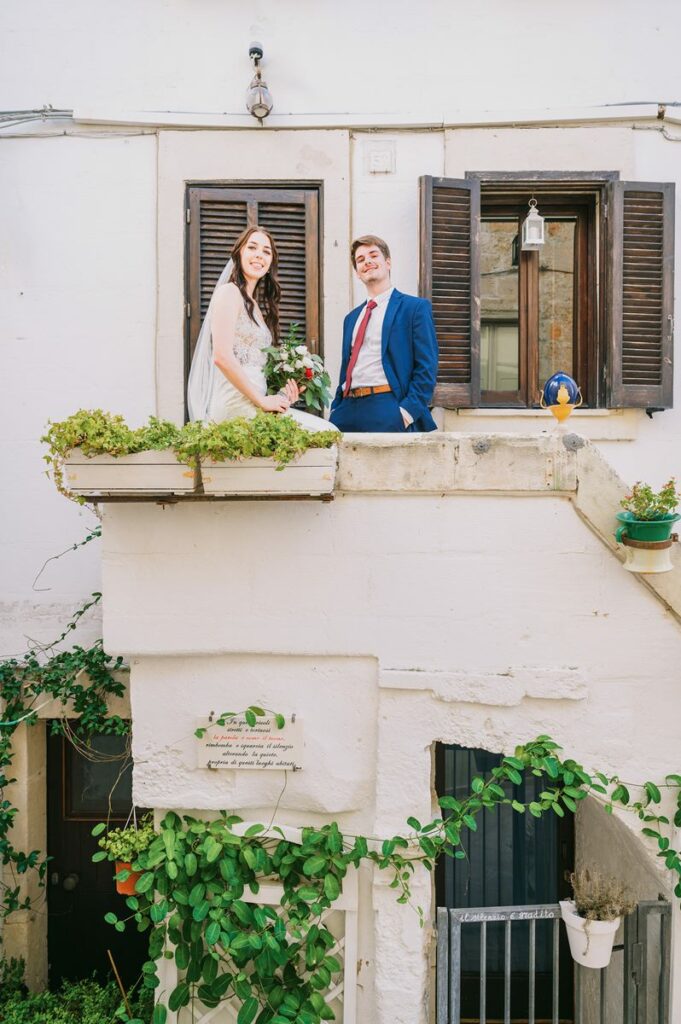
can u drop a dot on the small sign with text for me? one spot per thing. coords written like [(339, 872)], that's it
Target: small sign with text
[(263, 746)]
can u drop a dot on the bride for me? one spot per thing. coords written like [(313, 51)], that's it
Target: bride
[(227, 376)]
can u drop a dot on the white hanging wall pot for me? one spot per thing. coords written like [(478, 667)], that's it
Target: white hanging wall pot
[(533, 229), (591, 942), (648, 556)]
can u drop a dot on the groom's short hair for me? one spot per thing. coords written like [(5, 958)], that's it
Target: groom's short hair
[(369, 240)]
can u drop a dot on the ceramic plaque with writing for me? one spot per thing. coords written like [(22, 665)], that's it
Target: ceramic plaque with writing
[(238, 745)]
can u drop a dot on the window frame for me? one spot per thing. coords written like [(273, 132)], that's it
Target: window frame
[(585, 299), (566, 186)]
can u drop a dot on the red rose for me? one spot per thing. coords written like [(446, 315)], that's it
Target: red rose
[(309, 372)]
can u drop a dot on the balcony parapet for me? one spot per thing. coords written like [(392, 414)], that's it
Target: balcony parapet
[(557, 463)]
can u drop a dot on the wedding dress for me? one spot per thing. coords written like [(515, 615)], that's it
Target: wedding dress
[(211, 396)]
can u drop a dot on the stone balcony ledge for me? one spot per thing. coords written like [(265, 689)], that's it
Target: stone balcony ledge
[(435, 463), (557, 464)]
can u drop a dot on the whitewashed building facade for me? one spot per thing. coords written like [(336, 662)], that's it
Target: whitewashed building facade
[(463, 588)]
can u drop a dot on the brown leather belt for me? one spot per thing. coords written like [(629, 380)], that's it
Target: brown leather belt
[(380, 389)]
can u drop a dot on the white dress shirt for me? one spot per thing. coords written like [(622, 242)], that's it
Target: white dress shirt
[(368, 371)]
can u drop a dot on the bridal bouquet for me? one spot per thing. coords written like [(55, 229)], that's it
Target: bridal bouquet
[(291, 360)]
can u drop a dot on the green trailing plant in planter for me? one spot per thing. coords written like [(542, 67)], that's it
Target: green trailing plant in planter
[(123, 846), (593, 916), (95, 432)]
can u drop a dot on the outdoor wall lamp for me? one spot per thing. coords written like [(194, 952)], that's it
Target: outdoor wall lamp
[(258, 98), (533, 228)]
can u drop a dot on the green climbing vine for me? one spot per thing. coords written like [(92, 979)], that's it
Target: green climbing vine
[(197, 879), (80, 679)]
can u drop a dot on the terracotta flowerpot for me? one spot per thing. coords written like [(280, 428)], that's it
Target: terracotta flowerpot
[(591, 942), (126, 888)]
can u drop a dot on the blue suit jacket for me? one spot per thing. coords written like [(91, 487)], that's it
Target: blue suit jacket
[(410, 354)]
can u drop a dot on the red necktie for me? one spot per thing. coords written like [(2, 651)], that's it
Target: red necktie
[(359, 341)]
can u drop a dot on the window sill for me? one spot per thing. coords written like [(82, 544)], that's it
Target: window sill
[(594, 424)]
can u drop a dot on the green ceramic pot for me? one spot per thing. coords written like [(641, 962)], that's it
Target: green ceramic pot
[(645, 529)]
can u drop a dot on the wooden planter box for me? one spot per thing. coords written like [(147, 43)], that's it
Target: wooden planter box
[(312, 474), (153, 473)]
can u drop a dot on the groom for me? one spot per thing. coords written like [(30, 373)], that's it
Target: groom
[(390, 356)]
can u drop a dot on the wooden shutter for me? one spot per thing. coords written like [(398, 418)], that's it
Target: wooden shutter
[(449, 275), (641, 295), (216, 217)]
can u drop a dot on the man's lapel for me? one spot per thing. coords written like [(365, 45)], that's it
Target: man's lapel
[(388, 319)]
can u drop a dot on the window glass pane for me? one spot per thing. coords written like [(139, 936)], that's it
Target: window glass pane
[(499, 305), (556, 299), (95, 776)]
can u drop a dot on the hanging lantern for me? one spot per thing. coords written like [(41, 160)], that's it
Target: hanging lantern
[(533, 228), (258, 98)]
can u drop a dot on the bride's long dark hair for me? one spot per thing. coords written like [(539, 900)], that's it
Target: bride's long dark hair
[(268, 289)]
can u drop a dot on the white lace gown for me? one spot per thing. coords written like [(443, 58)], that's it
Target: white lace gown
[(227, 402)]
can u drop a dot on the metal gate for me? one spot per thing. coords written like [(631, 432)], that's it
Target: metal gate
[(633, 989)]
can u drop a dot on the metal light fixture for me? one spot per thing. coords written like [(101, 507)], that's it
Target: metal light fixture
[(533, 228), (258, 98)]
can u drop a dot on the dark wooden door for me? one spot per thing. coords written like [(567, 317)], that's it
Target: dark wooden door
[(511, 860), (82, 789)]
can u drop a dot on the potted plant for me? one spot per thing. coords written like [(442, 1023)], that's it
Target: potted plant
[(646, 524), (122, 845), (593, 916)]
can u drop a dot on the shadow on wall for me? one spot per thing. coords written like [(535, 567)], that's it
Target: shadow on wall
[(605, 845)]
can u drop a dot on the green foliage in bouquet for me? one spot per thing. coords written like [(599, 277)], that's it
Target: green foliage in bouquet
[(291, 360), (646, 504)]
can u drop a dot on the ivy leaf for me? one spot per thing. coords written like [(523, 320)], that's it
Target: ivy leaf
[(280, 720), (145, 883), (179, 997), (159, 1015), (248, 1011), (331, 887), (253, 830), (212, 933), (98, 829), (313, 865), (653, 792), (250, 717), (100, 855)]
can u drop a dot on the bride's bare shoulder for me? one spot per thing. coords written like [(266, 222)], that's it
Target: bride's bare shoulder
[(228, 296)]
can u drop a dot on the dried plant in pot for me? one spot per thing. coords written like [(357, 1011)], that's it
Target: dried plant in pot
[(593, 916), (123, 845)]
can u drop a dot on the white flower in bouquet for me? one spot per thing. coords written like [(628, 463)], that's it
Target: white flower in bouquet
[(301, 350)]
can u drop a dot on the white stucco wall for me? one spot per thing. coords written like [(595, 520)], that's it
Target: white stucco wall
[(388, 57), (387, 622), (77, 284)]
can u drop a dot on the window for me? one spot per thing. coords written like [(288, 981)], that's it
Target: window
[(596, 301), (217, 214)]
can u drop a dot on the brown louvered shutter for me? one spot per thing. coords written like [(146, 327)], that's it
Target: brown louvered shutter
[(641, 295), (294, 224), (449, 275), (218, 214)]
